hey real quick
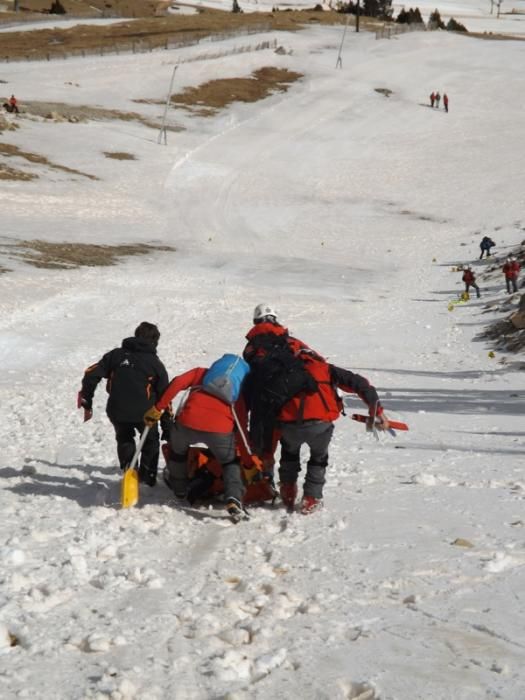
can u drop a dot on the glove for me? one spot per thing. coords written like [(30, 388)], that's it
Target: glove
[(86, 405), (254, 471), (151, 416)]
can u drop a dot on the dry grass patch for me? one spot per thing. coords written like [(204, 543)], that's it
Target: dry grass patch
[(60, 111), (119, 155), (7, 173), (9, 151), (216, 94), (154, 32), (66, 256)]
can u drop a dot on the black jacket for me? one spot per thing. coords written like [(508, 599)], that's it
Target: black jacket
[(136, 379)]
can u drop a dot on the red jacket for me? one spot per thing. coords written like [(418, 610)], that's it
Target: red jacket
[(511, 269), (323, 404), (201, 411), (469, 277)]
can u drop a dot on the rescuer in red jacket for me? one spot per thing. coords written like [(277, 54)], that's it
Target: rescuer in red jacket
[(307, 416)]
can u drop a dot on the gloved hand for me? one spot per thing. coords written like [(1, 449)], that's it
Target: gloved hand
[(254, 471), (151, 416), (379, 423), (86, 405)]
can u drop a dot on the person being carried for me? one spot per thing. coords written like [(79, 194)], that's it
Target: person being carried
[(485, 245), (469, 278), (136, 378), (511, 270), (204, 418), (298, 416)]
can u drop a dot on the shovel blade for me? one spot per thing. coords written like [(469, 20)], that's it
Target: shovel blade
[(130, 488)]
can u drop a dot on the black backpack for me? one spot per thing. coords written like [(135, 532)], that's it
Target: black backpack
[(277, 375)]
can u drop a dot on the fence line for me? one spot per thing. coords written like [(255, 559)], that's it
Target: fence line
[(387, 31), (142, 46)]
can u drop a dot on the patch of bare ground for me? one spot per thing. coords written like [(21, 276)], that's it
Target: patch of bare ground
[(7, 173), (147, 33), (9, 151), (60, 111), (209, 97), (66, 256), (119, 155)]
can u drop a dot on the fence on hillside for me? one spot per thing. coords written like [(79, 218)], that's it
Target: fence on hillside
[(141, 46), (387, 31)]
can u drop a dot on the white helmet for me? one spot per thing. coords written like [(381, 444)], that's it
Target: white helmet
[(469, 267), (512, 258), (261, 311)]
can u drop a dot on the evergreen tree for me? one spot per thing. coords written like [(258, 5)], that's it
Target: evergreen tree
[(382, 9), (453, 26), (435, 21)]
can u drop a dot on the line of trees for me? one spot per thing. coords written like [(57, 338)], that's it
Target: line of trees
[(382, 9)]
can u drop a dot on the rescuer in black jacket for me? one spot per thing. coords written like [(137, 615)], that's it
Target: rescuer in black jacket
[(136, 379)]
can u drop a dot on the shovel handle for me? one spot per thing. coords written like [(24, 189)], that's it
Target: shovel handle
[(142, 440), (395, 424)]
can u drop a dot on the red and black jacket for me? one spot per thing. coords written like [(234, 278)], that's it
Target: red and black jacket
[(136, 378), (323, 404)]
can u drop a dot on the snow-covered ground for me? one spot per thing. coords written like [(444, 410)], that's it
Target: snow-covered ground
[(347, 210)]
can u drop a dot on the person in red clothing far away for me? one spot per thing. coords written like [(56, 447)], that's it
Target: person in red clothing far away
[(13, 104), (432, 99), (445, 102), (202, 418), (307, 418), (511, 270), (470, 280)]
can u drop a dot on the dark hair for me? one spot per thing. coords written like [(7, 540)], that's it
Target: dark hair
[(148, 331)]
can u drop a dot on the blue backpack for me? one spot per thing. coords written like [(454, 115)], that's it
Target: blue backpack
[(224, 378)]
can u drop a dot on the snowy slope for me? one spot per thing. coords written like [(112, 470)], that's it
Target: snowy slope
[(347, 210)]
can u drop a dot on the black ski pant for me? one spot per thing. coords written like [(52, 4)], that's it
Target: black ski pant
[(511, 282), (125, 437), (475, 286), (317, 435), (221, 445)]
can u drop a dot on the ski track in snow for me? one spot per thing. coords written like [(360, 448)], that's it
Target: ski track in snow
[(409, 584)]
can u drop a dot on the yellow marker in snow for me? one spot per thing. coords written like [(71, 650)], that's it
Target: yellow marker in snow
[(492, 355)]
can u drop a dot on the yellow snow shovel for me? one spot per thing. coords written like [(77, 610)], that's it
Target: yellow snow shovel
[(129, 495)]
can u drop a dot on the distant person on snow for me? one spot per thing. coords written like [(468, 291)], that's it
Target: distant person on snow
[(437, 99), (485, 245), (305, 417), (11, 105), (469, 278), (511, 270), (445, 102), (432, 99), (203, 418), (136, 378)]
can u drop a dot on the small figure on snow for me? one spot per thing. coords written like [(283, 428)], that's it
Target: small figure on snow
[(485, 245), (445, 102), (511, 270), (135, 379), (437, 99), (203, 418), (469, 278), (301, 408), (432, 99), (11, 105)]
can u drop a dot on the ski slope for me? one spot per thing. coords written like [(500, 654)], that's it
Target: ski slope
[(347, 210)]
